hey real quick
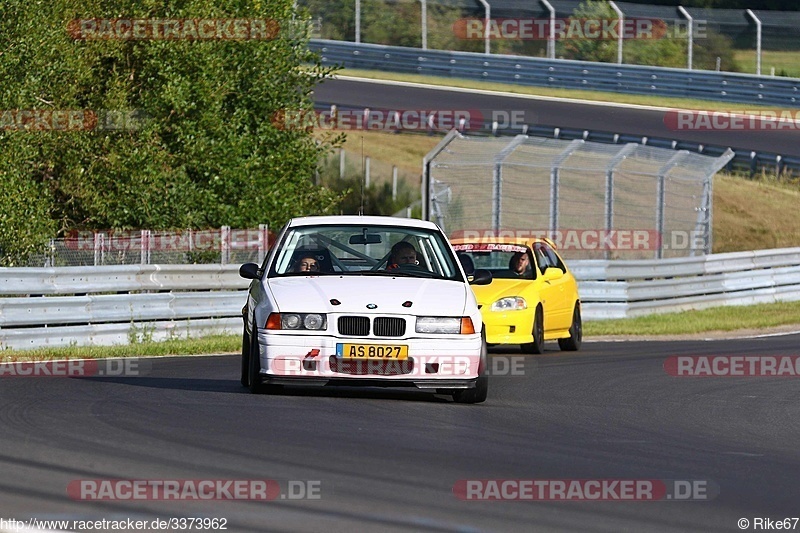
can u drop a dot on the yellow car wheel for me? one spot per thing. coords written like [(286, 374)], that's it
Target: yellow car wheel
[(573, 342), (537, 346)]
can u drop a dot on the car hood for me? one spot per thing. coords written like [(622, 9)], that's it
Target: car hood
[(313, 294), (500, 288)]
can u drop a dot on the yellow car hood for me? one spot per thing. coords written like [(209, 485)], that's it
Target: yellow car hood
[(500, 288)]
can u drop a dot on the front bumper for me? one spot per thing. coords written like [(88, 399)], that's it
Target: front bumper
[(444, 362), (508, 327)]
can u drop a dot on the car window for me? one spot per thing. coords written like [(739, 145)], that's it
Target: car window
[(364, 250), (498, 258), (553, 259), (542, 258)]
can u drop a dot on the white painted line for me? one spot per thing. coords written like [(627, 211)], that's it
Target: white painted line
[(765, 335), (579, 101), (502, 93)]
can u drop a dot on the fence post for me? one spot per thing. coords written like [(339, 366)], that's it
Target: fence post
[(263, 242), (690, 22), (554, 178), (358, 21), (621, 22), (225, 244), (424, 23), (758, 40), (609, 194), (98, 248), (144, 247), (394, 183)]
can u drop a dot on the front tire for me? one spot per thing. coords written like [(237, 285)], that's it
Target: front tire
[(481, 390), (245, 356), (254, 365), (537, 346), (573, 342)]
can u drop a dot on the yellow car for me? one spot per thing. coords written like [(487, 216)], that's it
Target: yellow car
[(532, 297)]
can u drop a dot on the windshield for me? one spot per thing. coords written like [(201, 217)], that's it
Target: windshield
[(364, 250), (508, 261)]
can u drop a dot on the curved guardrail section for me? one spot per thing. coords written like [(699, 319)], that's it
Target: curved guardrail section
[(565, 74), (117, 305)]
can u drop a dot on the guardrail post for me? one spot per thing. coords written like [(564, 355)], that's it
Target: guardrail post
[(342, 163), (366, 172)]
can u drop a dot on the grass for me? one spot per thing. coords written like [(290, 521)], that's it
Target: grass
[(788, 62), (599, 96), (755, 214), (707, 320), (213, 344)]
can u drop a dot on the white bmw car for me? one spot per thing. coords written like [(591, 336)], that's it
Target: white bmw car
[(363, 300)]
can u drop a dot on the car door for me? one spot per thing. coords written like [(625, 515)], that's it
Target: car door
[(550, 293)]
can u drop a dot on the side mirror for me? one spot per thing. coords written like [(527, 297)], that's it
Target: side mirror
[(249, 271), (480, 277), (552, 274)]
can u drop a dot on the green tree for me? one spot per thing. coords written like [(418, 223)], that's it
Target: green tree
[(205, 150)]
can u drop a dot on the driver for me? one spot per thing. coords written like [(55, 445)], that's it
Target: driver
[(402, 253)]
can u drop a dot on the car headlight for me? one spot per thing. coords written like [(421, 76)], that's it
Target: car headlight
[(297, 321), (314, 321), (512, 303), (439, 324)]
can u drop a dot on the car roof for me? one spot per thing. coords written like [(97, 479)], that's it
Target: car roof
[(369, 220)]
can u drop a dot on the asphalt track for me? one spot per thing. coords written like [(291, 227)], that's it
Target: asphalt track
[(553, 112), (388, 460)]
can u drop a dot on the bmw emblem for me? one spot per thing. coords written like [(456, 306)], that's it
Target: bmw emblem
[(372, 306)]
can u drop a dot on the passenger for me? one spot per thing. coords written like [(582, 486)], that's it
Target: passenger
[(467, 264), (520, 265), (307, 263), (402, 253)]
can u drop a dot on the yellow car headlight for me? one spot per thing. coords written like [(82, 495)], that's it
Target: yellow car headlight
[(511, 303)]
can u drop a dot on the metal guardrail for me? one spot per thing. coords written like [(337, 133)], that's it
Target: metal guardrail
[(565, 74), (620, 289), (77, 306), (118, 304)]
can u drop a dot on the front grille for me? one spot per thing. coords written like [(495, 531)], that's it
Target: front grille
[(356, 326), (389, 327)]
